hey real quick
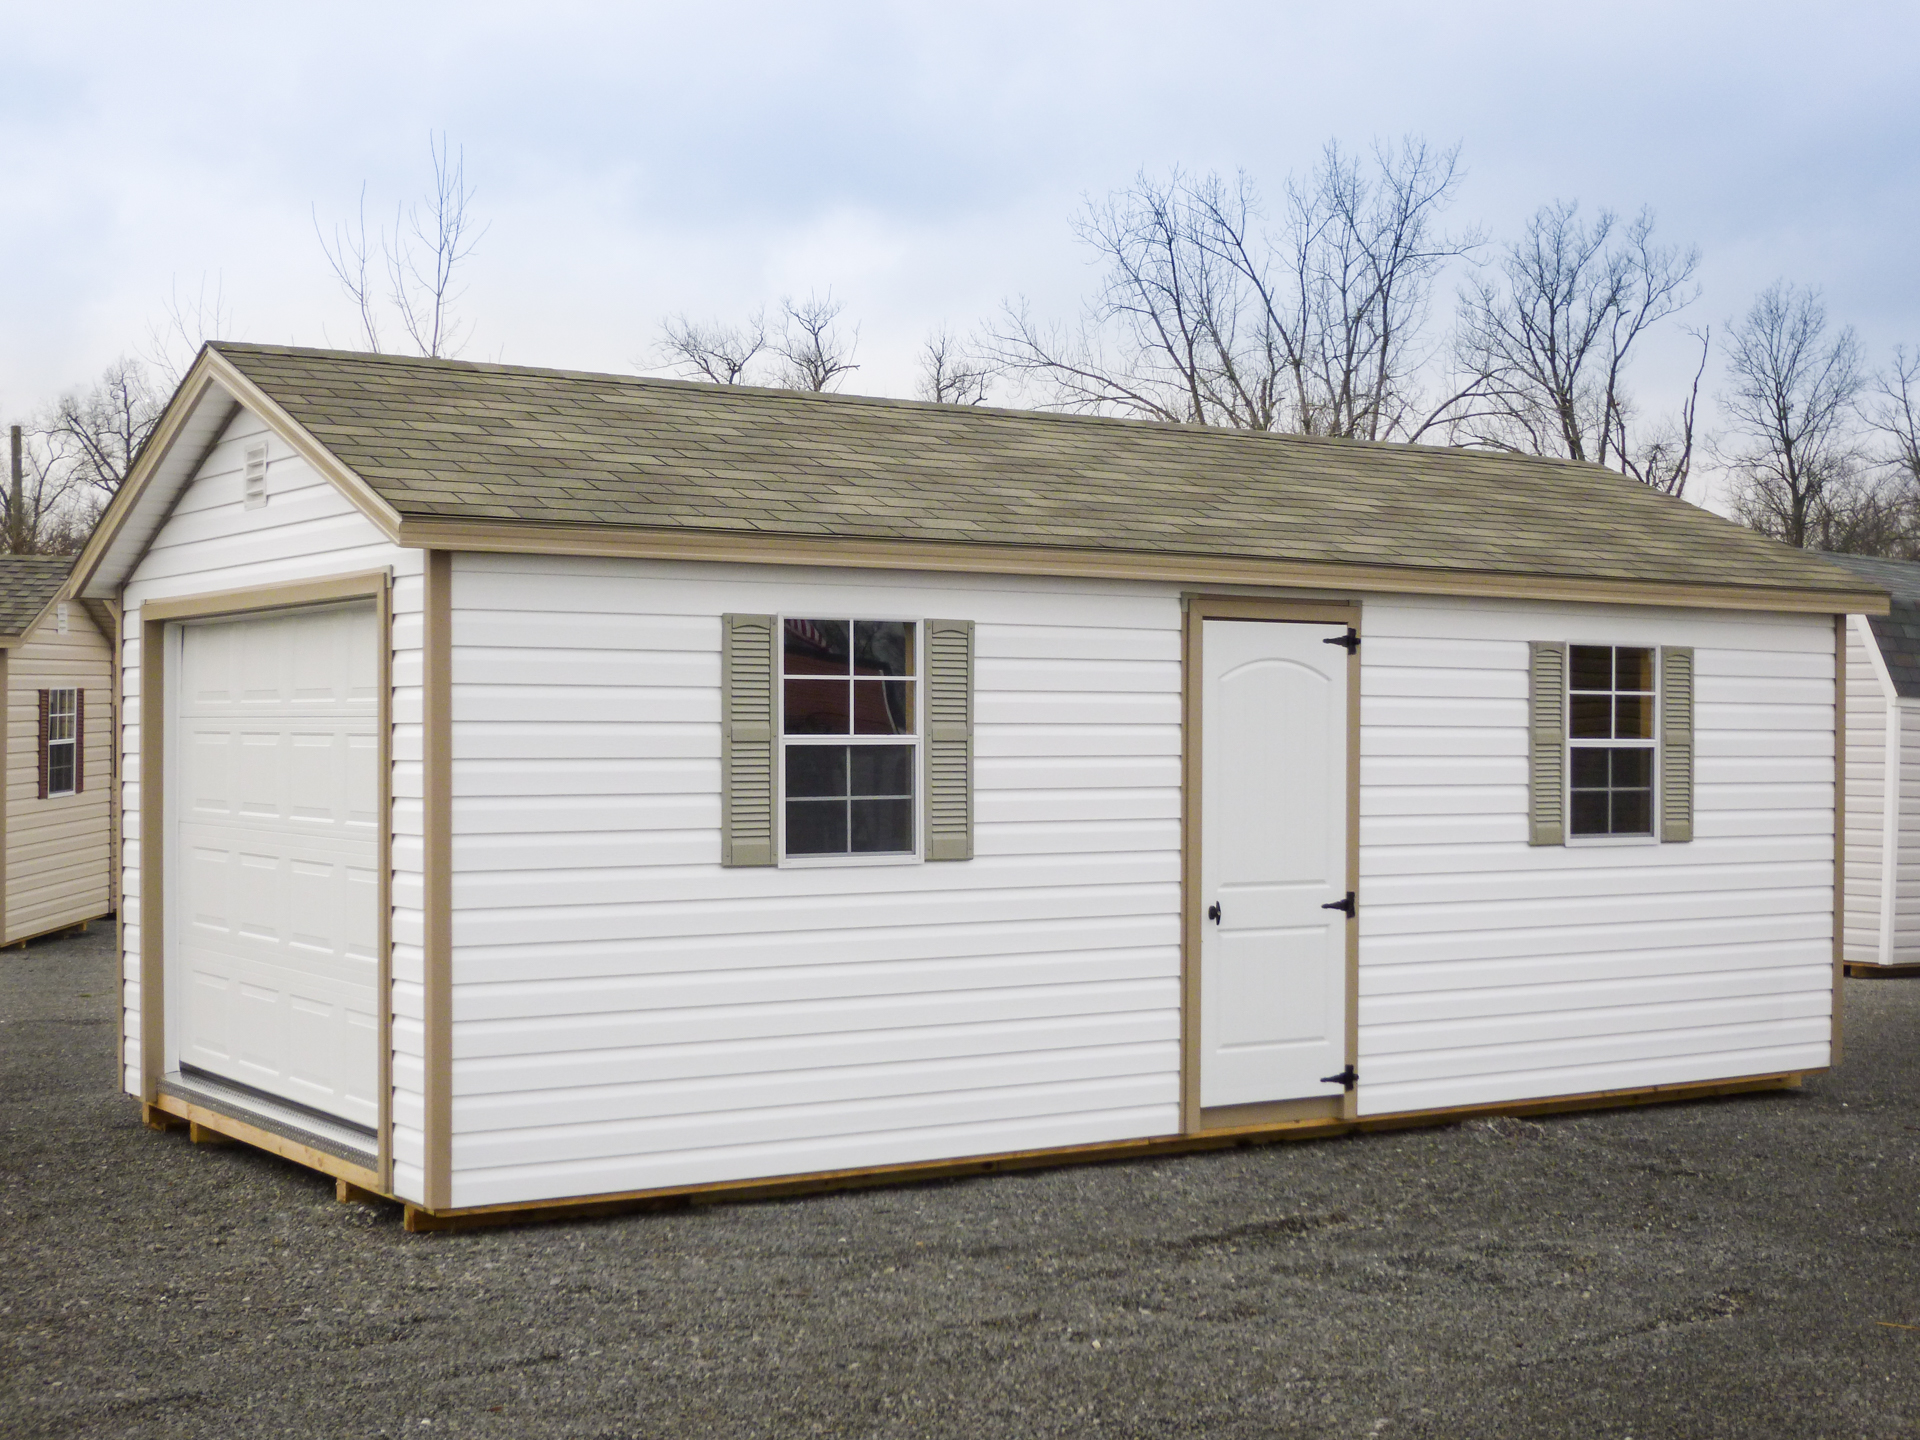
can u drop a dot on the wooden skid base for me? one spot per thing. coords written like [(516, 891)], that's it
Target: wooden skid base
[(210, 1127), (1881, 972), (65, 927), (419, 1219)]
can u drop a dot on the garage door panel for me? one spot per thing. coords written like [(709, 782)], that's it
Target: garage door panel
[(324, 663), (276, 836)]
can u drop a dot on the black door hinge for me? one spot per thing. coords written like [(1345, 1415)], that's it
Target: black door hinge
[(1351, 640), (1350, 905), (1346, 1079), (1213, 912)]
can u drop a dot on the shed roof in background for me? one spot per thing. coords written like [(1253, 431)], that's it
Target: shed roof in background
[(1898, 631), (28, 584), (446, 441)]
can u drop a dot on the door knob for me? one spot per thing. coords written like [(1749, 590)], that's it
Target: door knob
[(1213, 912)]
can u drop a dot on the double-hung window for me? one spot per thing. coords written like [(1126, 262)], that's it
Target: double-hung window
[(63, 710), (1611, 705), (849, 736), (1610, 743)]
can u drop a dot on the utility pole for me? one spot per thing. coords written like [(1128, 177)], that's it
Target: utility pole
[(16, 503)]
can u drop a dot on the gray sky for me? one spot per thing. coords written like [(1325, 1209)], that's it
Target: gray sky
[(633, 161)]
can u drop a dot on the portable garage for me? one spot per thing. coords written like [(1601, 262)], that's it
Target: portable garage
[(56, 666), (1883, 773), (555, 789)]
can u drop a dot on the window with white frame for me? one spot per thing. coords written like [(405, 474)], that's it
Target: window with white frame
[(849, 736), (63, 708), (1611, 740)]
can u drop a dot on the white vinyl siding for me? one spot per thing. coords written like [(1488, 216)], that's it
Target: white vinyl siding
[(58, 847), (1870, 832), (1903, 946), (629, 1014), (1492, 970), (213, 542)]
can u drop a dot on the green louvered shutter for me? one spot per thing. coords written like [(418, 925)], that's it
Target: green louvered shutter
[(747, 678), (949, 740), (1676, 744), (1547, 745)]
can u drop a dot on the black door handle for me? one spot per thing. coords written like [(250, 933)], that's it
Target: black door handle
[(1213, 912)]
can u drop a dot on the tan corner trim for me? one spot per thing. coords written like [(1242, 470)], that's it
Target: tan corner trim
[(383, 1119), (424, 1218), (361, 585), (153, 830), (437, 759), (1198, 571), (1840, 833), (228, 1126), (362, 495), (1196, 609)]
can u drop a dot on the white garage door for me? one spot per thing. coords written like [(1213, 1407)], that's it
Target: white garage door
[(273, 837)]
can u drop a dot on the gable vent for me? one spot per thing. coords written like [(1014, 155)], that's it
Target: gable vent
[(256, 483)]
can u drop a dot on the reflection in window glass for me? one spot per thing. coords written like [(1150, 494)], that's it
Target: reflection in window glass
[(849, 677)]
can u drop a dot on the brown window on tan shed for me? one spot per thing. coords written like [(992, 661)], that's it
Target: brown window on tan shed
[(59, 757)]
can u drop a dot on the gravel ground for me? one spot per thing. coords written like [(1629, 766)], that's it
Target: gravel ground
[(1743, 1267)]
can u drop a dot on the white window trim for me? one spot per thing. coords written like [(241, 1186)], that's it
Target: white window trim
[(53, 694), (916, 741), (1582, 842)]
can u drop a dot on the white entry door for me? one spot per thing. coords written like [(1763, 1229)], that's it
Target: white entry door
[(273, 849), (1273, 856)]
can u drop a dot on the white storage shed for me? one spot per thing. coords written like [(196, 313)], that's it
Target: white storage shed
[(56, 750), (558, 790), (1883, 774)]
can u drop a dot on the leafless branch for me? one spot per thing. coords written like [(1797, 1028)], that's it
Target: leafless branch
[(950, 374), (814, 354), (717, 352)]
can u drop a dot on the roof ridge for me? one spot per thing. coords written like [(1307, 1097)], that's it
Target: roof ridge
[(1226, 433)]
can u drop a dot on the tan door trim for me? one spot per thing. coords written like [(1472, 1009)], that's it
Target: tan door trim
[(437, 899), (155, 616), (1196, 609)]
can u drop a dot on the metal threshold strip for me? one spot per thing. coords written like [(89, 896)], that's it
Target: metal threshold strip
[(286, 1118)]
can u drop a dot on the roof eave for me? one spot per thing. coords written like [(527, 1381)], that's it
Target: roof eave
[(173, 455), (1187, 570)]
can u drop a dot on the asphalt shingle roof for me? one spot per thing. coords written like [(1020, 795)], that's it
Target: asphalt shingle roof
[(449, 441), (27, 584), (1898, 631)]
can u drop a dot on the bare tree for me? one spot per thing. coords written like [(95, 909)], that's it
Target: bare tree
[(1205, 316), (950, 374), (189, 323), (417, 261), (1893, 412), (1548, 338), (813, 353), (720, 353), (1792, 448), (94, 436)]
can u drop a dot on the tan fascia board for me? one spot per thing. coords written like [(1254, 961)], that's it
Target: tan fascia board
[(1187, 570), (212, 371)]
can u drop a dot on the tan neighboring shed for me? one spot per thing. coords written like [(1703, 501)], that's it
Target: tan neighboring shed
[(58, 661)]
